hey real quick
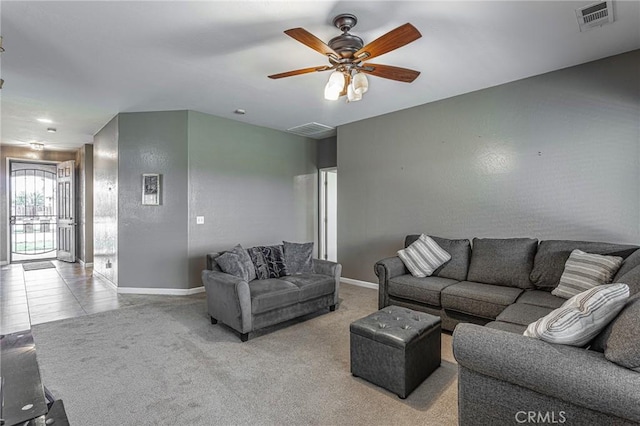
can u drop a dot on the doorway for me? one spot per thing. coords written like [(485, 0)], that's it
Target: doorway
[(32, 217), (328, 214)]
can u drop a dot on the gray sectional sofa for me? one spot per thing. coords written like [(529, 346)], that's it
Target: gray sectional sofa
[(247, 306), (505, 377)]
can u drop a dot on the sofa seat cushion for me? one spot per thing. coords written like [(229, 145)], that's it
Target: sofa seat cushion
[(424, 290), (507, 326), (552, 255), (541, 298), (272, 293), (507, 262), (312, 285), (522, 314), (482, 300)]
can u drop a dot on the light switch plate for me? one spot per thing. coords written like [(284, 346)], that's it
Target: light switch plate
[(199, 220)]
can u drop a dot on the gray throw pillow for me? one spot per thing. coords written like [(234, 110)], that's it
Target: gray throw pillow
[(460, 251), (507, 262), (268, 261), (298, 257), (246, 261), (230, 263)]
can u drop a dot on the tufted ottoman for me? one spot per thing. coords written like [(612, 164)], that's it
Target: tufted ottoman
[(395, 348)]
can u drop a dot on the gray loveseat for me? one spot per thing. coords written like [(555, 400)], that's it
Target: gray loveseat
[(505, 377), (247, 306)]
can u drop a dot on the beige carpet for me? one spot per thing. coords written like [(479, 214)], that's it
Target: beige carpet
[(164, 363)]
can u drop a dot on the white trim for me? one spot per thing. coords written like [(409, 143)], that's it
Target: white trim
[(162, 291), (106, 280), (85, 264), (359, 283)]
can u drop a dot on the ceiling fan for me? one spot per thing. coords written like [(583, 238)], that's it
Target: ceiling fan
[(347, 55)]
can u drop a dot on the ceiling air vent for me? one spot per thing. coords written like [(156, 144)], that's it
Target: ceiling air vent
[(595, 15), (313, 130)]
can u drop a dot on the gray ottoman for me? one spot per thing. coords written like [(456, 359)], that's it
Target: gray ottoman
[(395, 348)]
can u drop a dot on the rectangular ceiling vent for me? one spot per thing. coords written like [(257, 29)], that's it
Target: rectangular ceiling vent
[(595, 15), (313, 130)]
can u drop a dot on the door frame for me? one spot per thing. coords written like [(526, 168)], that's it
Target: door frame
[(9, 190), (322, 211)]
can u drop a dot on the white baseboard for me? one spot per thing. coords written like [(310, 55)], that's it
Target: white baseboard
[(85, 264), (359, 283), (161, 291), (106, 280)]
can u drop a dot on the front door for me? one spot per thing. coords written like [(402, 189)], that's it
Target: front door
[(66, 212)]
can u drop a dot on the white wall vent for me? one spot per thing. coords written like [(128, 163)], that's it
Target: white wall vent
[(595, 15), (313, 130)]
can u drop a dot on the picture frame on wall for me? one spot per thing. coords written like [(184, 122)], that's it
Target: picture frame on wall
[(151, 189)]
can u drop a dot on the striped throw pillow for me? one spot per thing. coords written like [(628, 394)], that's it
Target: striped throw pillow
[(584, 271), (582, 317), (423, 256)]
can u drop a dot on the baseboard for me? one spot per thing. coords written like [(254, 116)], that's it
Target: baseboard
[(106, 280), (359, 283), (85, 264), (161, 291)]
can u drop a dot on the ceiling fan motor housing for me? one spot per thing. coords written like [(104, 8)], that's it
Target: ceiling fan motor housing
[(345, 44)]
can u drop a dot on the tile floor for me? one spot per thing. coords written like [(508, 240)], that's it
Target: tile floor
[(33, 297)]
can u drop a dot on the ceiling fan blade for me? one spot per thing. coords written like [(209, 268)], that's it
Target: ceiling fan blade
[(300, 71), (308, 39), (392, 73), (392, 40)]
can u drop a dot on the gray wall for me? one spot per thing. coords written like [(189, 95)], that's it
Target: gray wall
[(11, 151), (84, 203), (554, 156), (105, 201), (152, 240), (254, 185), (327, 152)]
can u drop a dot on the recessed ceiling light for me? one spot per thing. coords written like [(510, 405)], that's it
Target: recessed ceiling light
[(240, 111), (45, 120), (51, 129), (37, 146)]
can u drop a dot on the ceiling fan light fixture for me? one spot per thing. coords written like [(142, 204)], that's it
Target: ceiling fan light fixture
[(352, 95), (360, 83), (334, 86)]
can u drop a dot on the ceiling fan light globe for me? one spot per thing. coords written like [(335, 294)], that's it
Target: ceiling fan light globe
[(332, 91), (337, 78), (352, 95), (360, 83)]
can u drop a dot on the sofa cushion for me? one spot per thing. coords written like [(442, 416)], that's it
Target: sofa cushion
[(298, 257), (230, 264), (482, 300), (522, 314), (600, 342), (628, 264), (584, 271), (268, 261), (582, 317), (460, 251), (312, 285), (507, 326), (423, 256), (623, 344), (246, 261), (552, 255), (424, 290), (505, 262), (272, 293), (632, 279), (541, 298)]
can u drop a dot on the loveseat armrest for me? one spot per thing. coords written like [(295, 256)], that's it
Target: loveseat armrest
[(581, 377), (387, 269), (333, 269), (228, 300)]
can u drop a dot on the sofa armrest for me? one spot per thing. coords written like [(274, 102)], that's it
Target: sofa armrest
[(333, 269), (575, 375), (228, 300), (386, 269)]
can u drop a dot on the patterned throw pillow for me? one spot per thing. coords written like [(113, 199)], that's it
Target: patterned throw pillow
[(230, 263), (246, 261), (298, 257), (268, 261), (584, 271), (423, 256), (582, 317)]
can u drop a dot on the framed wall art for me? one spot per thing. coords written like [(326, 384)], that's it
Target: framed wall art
[(151, 189)]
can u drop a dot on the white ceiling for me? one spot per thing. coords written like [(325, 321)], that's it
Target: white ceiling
[(80, 63)]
